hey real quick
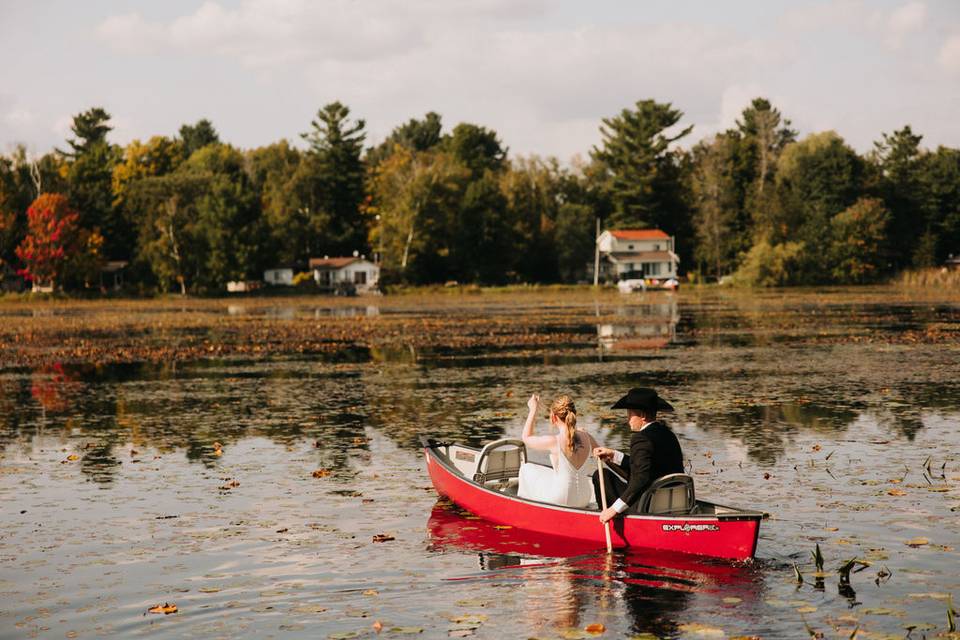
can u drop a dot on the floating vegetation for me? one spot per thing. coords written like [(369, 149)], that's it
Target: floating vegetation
[(171, 456)]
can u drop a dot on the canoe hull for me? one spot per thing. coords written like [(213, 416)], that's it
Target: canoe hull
[(727, 536)]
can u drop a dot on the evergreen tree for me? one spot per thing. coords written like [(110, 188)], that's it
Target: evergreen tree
[(897, 157), (939, 173), (90, 177), (197, 136), (415, 135), (641, 173), (337, 177), (477, 148)]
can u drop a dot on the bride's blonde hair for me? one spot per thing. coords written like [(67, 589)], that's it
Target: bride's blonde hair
[(565, 410)]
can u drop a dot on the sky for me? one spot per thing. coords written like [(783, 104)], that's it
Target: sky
[(541, 73)]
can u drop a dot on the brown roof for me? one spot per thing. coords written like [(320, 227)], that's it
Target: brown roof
[(640, 234), (331, 263)]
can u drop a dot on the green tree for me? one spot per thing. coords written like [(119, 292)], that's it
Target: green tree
[(278, 172), (169, 242), (764, 134), (858, 241), (415, 135), (717, 204), (157, 157), (228, 217), (477, 148), (772, 265), (483, 242), (573, 239), (415, 197), (897, 158), (336, 188), (641, 173), (817, 178), (197, 136), (90, 176), (533, 189), (90, 128), (939, 173)]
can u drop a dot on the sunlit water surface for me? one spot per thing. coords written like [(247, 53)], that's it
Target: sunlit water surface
[(115, 497)]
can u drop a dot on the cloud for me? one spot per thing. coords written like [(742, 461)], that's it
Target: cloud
[(949, 57), (892, 27), (542, 76), (130, 33), (264, 33), (902, 22)]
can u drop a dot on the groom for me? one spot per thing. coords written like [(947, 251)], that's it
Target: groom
[(654, 453)]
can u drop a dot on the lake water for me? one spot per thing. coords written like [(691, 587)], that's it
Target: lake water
[(125, 486)]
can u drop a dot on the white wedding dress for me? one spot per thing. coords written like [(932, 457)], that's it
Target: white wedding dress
[(561, 484)]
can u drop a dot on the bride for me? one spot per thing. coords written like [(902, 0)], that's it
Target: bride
[(568, 482)]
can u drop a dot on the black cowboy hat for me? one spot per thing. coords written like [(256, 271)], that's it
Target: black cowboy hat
[(644, 399)]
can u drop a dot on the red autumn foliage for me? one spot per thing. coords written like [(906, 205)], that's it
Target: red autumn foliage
[(53, 237), (52, 387)]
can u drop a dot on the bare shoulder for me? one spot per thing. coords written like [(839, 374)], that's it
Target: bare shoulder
[(541, 443)]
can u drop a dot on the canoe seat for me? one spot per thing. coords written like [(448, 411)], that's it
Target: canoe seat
[(670, 495), (498, 464)]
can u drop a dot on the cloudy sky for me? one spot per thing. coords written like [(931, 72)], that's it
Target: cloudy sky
[(542, 73)]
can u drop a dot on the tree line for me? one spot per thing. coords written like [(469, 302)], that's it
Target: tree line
[(754, 203)]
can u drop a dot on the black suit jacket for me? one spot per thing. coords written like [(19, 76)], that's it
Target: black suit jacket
[(654, 452)]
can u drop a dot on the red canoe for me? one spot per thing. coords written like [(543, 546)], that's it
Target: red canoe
[(707, 529)]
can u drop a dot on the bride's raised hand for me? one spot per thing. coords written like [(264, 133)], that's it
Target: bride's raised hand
[(533, 403)]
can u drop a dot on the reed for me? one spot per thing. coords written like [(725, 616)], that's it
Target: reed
[(938, 277)]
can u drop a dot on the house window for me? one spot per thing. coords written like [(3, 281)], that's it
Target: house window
[(359, 277), (651, 268), (324, 277), (656, 247), (630, 246)]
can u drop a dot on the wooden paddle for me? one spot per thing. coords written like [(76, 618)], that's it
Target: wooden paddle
[(603, 500)]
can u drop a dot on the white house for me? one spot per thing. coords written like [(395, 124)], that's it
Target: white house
[(282, 277), (649, 252), (341, 273)]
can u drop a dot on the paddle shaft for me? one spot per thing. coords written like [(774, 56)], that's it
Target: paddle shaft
[(603, 501)]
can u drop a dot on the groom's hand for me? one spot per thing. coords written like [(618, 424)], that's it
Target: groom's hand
[(603, 453), (608, 514)]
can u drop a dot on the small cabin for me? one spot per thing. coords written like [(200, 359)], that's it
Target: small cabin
[(279, 277), (343, 274)]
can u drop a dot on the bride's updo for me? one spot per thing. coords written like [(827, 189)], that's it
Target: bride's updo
[(565, 410)]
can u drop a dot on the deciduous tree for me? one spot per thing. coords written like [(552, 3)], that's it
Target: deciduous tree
[(858, 241), (53, 239), (716, 203)]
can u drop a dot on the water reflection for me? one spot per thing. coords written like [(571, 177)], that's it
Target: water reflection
[(290, 312), (645, 326), (562, 578), (53, 387)]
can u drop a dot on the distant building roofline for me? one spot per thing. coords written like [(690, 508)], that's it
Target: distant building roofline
[(639, 234)]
